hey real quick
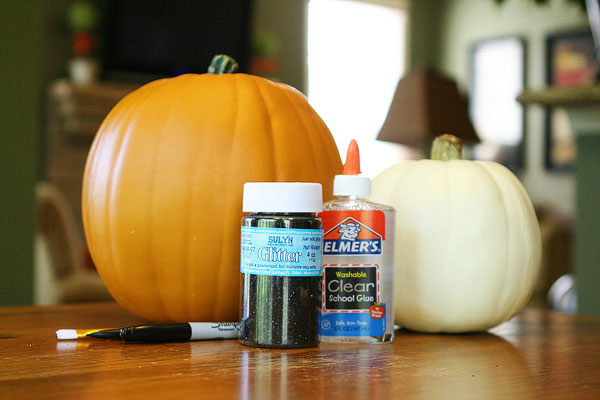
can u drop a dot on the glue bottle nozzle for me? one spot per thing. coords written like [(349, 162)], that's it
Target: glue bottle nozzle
[(352, 165)]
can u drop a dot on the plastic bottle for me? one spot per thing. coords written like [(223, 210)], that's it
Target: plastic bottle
[(357, 293), (280, 264)]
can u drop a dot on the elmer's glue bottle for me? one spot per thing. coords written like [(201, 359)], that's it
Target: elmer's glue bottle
[(357, 292)]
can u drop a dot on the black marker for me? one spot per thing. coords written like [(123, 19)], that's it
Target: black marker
[(175, 332)]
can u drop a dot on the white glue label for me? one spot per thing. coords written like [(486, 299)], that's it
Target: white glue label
[(281, 252)]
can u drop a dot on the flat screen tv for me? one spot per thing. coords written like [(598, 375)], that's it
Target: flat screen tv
[(146, 39)]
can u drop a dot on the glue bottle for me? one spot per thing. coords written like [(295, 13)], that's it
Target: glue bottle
[(357, 291)]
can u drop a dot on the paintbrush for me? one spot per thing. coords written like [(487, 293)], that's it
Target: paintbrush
[(72, 334), (158, 333)]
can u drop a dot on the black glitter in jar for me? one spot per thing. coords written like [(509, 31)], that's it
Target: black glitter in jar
[(278, 309)]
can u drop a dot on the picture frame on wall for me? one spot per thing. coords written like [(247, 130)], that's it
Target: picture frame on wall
[(497, 77), (570, 62)]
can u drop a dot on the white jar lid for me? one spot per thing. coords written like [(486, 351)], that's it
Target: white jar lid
[(300, 197)]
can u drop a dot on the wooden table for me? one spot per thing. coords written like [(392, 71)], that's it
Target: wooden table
[(536, 355)]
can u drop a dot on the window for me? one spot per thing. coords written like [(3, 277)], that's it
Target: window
[(498, 71), (356, 55)]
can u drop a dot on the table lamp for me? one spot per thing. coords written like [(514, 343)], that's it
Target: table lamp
[(425, 105)]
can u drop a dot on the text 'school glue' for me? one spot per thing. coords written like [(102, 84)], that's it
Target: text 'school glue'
[(357, 297)]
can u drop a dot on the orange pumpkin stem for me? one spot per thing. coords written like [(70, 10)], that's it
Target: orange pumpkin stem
[(352, 165), (222, 64)]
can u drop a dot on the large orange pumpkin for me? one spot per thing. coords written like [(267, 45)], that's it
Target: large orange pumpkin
[(162, 187)]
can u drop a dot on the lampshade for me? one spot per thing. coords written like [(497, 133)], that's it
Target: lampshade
[(425, 105)]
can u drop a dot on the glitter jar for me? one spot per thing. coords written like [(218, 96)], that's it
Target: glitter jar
[(280, 264)]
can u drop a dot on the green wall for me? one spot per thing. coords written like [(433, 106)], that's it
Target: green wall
[(464, 22), (441, 33), (424, 33), (20, 102), (587, 231), (34, 46), (287, 20)]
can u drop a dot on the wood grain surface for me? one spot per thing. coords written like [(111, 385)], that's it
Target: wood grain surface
[(538, 355)]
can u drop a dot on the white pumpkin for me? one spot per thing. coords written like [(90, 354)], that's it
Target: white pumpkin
[(468, 245)]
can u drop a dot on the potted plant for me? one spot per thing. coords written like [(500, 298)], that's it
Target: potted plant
[(82, 19)]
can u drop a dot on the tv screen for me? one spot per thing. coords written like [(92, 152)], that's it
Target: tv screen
[(167, 38)]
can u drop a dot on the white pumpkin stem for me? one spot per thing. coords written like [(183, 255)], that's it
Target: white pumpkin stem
[(446, 148)]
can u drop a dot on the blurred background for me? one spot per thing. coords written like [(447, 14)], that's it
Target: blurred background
[(361, 63)]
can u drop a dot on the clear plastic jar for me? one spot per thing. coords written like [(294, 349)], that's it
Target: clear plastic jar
[(281, 259)]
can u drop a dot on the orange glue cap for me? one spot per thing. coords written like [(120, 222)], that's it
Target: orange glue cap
[(352, 165), (350, 183)]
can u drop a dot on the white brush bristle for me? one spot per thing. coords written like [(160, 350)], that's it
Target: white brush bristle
[(66, 334)]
